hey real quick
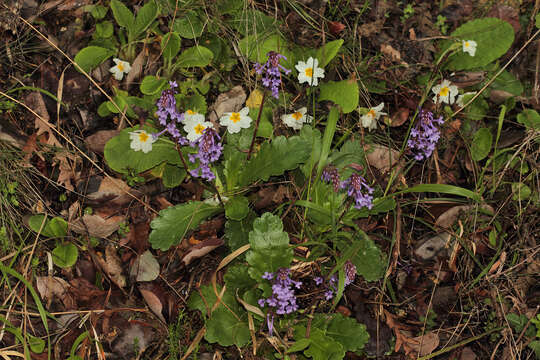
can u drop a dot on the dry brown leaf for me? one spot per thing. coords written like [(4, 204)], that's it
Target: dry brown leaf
[(227, 102), (201, 249), (34, 100), (381, 157), (432, 246), (399, 117), (447, 219), (153, 302), (95, 225), (112, 266), (50, 287), (111, 192), (136, 67), (422, 345), (392, 53), (67, 163), (371, 28), (255, 98), (467, 354), (96, 142)]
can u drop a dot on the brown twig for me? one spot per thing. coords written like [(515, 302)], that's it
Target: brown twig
[(256, 126)]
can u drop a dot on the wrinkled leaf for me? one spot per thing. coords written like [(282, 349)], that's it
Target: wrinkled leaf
[(225, 329), (237, 208), (144, 18), (170, 45)]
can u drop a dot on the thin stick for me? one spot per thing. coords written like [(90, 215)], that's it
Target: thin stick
[(256, 126)]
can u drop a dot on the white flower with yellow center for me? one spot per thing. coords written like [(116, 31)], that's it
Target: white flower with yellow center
[(141, 140), (297, 119), (195, 125), (469, 46), (120, 68), (444, 92), (309, 71), (234, 121), (369, 120)]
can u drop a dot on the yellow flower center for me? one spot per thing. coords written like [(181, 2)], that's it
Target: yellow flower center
[(297, 115), (371, 113), (467, 44), (143, 137), (444, 91), (199, 129), (190, 112), (235, 117), (309, 72), (120, 67)]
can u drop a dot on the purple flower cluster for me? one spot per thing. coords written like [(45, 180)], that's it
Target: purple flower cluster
[(425, 135), (168, 115), (332, 287), (355, 184), (330, 175), (210, 150), (283, 298), (271, 72)]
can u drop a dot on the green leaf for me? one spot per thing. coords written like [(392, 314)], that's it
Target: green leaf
[(104, 29), (348, 332), (442, 188), (172, 175), (530, 118), (269, 246), (225, 329), (299, 345), (98, 11), (253, 22), (535, 345), (537, 20), (369, 260), (343, 93), (493, 37), (91, 56), (326, 53), (65, 255), (323, 347), (120, 157), (237, 232), (172, 224), (204, 299), (238, 280), (508, 82), (152, 85), (189, 26), (195, 102), (237, 208), (170, 45), (144, 18), (233, 165), (123, 16), (37, 345), (481, 144), (275, 158), (521, 191), (196, 56), (517, 322), (53, 228), (256, 47)]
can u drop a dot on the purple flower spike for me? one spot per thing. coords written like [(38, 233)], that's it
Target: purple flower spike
[(271, 72), (168, 115), (330, 174), (209, 151), (283, 298), (425, 135), (355, 184)]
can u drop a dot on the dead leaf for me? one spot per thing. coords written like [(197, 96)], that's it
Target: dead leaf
[(111, 192), (381, 157), (422, 345), (227, 102), (96, 142), (67, 163), (112, 266), (464, 79), (335, 27), (366, 30), (399, 117), (255, 98), (508, 14), (136, 67), (467, 354), (153, 302), (392, 53), (51, 287), (201, 249), (34, 101), (124, 346), (449, 217), (145, 267), (95, 225), (432, 246)]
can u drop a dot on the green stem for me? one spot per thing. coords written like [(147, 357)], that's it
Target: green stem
[(256, 126)]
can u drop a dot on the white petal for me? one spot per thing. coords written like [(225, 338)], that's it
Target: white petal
[(301, 66), (244, 111)]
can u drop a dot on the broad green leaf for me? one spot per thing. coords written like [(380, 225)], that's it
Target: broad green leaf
[(173, 175), (521, 191), (170, 45), (343, 93), (530, 118), (508, 82), (53, 228), (493, 37), (348, 332), (91, 56), (253, 22), (225, 329), (103, 109), (313, 138), (442, 188), (121, 158), (478, 109), (195, 102), (152, 85), (98, 11), (189, 26), (299, 345), (65, 255), (104, 29), (369, 260), (172, 224), (37, 345), (275, 158), (328, 136), (196, 56), (233, 164), (228, 6), (269, 246), (323, 347), (144, 18), (256, 47), (238, 280), (237, 232), (123, 16), (237, 208), (535, 345), (326, 53), (205, 298), (481, 144), (517, 322)]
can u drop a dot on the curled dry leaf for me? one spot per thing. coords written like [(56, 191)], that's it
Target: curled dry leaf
[(95, 225), (335, 27), (136, 67), (449, 217), (96, 142), (51, 287), (110, 191), (201, 249), (112, 266), (392, 53), (381, 157), (153, 302), (399, 117), (422, 345), (230, 101)]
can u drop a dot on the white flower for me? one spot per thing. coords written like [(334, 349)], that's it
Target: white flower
[(369, 120), (444, 92), (120, 68), (141, 140), (297, 119), (234, 121), (309, 72), (460, 98), (469, 46), (195, 125), (190, 115)]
